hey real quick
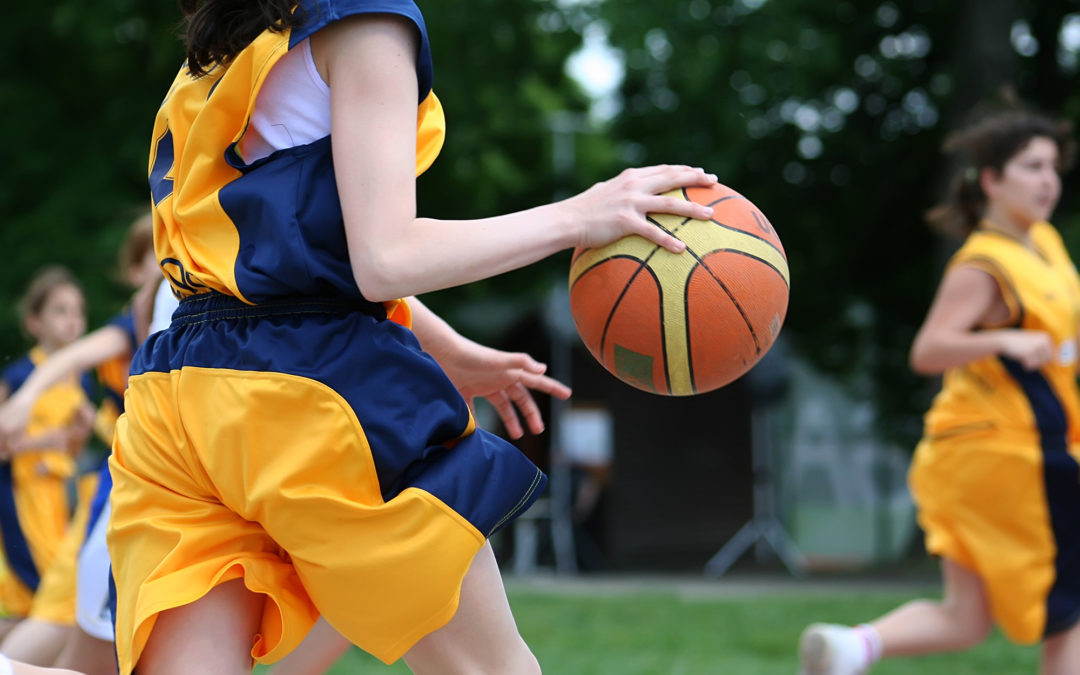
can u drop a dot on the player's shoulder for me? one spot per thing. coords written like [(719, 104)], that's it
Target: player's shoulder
[(16, 372), (316, 14), (1045, 233)]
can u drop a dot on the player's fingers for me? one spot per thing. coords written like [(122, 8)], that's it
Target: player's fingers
[(664, 177), (505, 408), (545, 384), (659, 237), (528, 408), (523, 361), (678, 207)]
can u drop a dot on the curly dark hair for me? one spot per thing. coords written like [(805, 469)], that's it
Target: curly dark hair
[(217, 30)]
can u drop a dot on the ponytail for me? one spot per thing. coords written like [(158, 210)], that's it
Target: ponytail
[(217, 30), (989, 144)]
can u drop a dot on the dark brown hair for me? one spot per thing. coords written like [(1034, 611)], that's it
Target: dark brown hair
[(138, 242), (218, 29), (989, 143), (41, 285)]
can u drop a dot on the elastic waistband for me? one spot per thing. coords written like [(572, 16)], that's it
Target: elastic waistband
[(215, 306)]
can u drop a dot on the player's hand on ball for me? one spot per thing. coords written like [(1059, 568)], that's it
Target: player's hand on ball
[(617, 208)]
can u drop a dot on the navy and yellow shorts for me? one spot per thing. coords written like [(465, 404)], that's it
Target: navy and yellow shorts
[(1006, 508), (54, 600), (313, 449)]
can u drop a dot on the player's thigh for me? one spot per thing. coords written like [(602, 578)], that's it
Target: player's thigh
[(87, 654), (482, 637), (35, 641), (322, 646), (1061, 652), (7, 624), (213, 635), (964, 591)]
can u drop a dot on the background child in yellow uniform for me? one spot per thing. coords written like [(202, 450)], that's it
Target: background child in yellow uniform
[(51, 635), (34, 504), (996, 477)]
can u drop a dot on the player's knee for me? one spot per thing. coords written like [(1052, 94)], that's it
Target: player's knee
[(973, 625), (514, 660), (1061, 652)]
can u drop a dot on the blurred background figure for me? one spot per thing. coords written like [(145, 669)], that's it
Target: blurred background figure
[(996, 475), (39, 463)]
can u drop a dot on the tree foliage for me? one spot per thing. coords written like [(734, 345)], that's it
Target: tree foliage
[(828, 115)]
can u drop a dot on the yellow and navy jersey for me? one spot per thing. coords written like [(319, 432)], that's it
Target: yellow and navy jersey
[(1041, 288), (55, 407), (272, 227), (113, 376), (32, 512)]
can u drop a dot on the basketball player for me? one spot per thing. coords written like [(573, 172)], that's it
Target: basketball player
[(35, 467), (995, 477), (286, 450)]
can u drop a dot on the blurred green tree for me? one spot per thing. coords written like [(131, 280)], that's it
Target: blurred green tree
[(827, 115), (830, 117)]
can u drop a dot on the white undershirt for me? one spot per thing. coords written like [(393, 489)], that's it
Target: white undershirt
[(291, 109), (165, 303)]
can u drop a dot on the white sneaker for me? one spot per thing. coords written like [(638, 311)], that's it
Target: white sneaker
[(831, 649)]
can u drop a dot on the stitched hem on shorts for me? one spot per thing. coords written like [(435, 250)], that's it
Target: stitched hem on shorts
[(159, 607), (526, 498), (441, 616), (445, 508), (433, 623)]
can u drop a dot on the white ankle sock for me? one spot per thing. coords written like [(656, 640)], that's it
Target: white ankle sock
[(5, 666), (871, 641)]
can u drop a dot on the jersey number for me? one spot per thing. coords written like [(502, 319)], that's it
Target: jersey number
[(161, 182)]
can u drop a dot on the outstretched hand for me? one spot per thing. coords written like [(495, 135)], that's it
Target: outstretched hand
[(506, 379)]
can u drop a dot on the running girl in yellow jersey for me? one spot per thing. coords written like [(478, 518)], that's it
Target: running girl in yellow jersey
[(995, 478), (288, 448)]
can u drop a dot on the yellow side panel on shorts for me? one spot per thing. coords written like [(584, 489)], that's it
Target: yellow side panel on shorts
[(982, 505), (55, 598), (220, 474)]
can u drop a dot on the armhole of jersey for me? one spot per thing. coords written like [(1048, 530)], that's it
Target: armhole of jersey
[(1005, 285)]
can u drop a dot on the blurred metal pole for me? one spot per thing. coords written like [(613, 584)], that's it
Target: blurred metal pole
[(557, 314), (765, 525), (564, 126)]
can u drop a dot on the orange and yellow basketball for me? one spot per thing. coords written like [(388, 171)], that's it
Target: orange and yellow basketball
[(687, 323)]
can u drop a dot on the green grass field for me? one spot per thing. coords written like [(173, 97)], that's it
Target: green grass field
[(744, 632)]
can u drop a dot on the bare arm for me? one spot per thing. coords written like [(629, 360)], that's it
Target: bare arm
[(142, 307), (88, 351), (505, 379), (370, 65), (967, 299)]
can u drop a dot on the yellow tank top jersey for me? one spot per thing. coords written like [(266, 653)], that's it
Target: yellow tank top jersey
[(996, 477), (34, 505), (1042, 290), (272, 227)]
